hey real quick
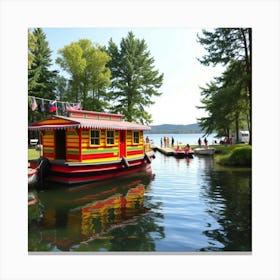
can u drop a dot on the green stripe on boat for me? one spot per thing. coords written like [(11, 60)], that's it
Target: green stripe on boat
[(99, 151)]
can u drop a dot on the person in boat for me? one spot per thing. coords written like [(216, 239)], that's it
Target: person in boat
[(199, 142), (188, 148)]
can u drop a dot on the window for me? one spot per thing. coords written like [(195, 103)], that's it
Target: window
[(94, 137), (136, 137), (110, 137)]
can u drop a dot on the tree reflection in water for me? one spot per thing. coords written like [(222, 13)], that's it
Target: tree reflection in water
[(228, 197)]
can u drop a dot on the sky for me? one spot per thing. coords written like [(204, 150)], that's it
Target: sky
[(175, 51)]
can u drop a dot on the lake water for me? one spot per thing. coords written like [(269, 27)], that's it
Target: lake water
[(179, 205), (190, 139)]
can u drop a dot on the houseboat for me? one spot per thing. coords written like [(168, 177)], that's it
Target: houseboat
[(88, 146)]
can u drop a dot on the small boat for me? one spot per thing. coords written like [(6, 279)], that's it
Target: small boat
[(179, 153), (32, 176), (183, 153), (189, 153), (204, 151)]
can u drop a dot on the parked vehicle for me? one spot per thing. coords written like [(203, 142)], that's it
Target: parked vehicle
[(243, 136)]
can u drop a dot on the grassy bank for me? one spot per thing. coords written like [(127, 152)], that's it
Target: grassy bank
[(234, 155)]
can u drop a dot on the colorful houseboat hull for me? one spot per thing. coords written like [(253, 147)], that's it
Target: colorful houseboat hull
[(90, 146)]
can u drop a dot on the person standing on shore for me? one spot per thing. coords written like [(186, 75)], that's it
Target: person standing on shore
[(199, 142), (206, 142), (167, 142)]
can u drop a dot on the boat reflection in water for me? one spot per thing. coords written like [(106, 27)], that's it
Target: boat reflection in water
[(95, 217)]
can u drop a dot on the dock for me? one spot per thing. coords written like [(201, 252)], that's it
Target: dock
[(165, 151)]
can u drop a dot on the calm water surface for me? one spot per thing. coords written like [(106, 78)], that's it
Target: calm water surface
[(180, 205)]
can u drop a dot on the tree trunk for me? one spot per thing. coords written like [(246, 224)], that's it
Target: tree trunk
[(248, 61), (237, 127)]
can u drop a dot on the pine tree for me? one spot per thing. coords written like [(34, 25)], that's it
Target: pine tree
[(225, 45), (41, 80), (134, 80), (226, 102)]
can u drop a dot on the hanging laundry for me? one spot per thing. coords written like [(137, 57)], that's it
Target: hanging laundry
[(77, 106), (52, 106), (33, 103)]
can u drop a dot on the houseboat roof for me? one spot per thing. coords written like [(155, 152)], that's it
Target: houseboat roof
[(95, 121)]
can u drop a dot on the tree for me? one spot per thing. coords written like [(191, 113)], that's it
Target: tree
[(225, 45), (62, 88), (41, 80), (225, 100), (134, 80), (89, 75), (31, 48)]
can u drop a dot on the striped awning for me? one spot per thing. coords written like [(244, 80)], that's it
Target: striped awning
[(68, 122)]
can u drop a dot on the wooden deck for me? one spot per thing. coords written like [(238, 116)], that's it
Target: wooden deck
[(165, 151)]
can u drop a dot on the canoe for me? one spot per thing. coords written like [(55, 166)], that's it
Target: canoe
[(204, 151)]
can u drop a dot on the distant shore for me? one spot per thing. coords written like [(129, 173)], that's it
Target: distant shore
[(174, 132), (176, 129)]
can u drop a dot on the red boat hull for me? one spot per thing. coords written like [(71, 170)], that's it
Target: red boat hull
[(79, 173)]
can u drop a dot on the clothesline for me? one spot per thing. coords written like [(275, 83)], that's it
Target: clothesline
[(45, 99), (53, 104)]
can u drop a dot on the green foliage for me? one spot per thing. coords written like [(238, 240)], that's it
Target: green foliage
[(86, 64), (226, 101), (31, 47), (239, 156), (229, 98), (62, 89), (134, 80), (41, 80), (225, 44)]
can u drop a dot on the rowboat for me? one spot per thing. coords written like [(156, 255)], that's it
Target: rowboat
[(204, 151)]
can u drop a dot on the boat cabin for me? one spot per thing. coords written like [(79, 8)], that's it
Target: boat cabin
[(90, 137)]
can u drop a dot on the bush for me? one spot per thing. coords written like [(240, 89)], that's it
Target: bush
[(241, 156)]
